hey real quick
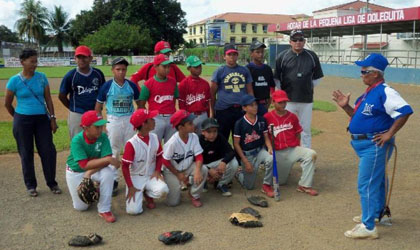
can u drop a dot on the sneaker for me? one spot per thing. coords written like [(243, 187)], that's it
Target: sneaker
[(307, 190), (115, 189), (268, 190), (150, 203), (56, 190), (32, 192), (358, 219), (360, 232), (108, 216), (225, 191), (195, 201)]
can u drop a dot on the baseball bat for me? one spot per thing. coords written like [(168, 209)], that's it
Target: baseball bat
[(275, 173)]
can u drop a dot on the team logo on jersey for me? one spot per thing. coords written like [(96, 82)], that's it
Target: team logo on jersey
[(162, 98), (251, 137), (98, 146), (190, 99), (261, 82), (234, 81), (282, 127), (180, 157), (210, 152), (367, 110), (83, 90), (95, 81)]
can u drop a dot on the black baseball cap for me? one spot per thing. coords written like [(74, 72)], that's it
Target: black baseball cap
[(256, 45), (296, 33), (230, 48), (119, 60), (209, 123)]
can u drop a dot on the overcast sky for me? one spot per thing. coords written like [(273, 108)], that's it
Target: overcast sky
[(199, 9)]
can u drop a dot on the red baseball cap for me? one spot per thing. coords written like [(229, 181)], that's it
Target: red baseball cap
[(83, 50), (280, 96), (141, 115), (92, 118), (162, 47), (161, 59), (181, 115)]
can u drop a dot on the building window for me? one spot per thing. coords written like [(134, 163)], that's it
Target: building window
[(232, 28), (254, 39), (265, 28), (190, 31), (254, 28), (243, 40), (195, 41), (194, 30), (201, 29), (243, 28), (232, 39), (201, 40)]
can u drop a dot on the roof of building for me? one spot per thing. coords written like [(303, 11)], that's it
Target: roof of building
[(355, 5), (237, 17)]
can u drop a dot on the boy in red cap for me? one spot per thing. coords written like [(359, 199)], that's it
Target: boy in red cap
[(287, 144), (194, 93), (160, 92), (183, 160), (141, 164), (79, 88), (91, 157), (148, 71)]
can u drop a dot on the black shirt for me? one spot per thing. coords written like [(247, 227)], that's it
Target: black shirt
[(262, 80), (296, 72), (251, 134), (214, 151)]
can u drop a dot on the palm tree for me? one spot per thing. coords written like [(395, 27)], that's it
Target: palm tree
[(33, 20), (59, 26)]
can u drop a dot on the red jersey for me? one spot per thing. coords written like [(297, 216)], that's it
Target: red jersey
[(286, 128), (147, 71), (194, 94), (160, 95)]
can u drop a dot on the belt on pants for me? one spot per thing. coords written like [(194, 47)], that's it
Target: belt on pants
[(262, 101), (252, 152), (365, 136), (199, 112), (165, 115)]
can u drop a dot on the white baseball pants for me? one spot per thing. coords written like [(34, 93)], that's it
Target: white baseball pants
[(163, 127), (197, 122), (73, 123), (304, 113), (229, 173)]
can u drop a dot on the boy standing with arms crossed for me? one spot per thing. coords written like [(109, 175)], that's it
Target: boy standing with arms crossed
[(194, 93), (160, 92), (249, 138), (118, 94), (183, 160), (91, 157), (287, 144), (263, 80)]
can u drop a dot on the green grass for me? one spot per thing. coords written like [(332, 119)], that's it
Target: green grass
[(59, 72), (8, 143), (324, 106)]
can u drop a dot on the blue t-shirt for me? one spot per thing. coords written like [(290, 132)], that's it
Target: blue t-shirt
[(378, 110), (27, 103), (119, 99), (251, 134), (83, 89), (231, 83)]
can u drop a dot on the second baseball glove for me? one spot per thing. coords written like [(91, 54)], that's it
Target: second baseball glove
[(258, 201), (84, 241), (244, 220), (88, 192), (251, 211), (175, 237)]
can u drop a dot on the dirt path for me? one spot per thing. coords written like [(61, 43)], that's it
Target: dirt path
[(296, 222)]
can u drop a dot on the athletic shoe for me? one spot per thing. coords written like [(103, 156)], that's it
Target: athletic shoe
[(361, 232), (56, 190), (205, 188), (32, 192), (195, 201), (268, 190), (108, 216), (150, 203), (307, 190), (358, 219), (115, 189), (225, 191)]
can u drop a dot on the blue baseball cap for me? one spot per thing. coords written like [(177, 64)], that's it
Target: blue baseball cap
[(247, 99), (374, 60)]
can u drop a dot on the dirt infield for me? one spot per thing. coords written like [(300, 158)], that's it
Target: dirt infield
[(298, 221)]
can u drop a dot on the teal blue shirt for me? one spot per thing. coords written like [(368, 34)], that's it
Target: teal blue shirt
[(27, 103)]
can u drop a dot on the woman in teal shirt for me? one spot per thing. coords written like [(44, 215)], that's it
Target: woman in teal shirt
[(33, 117)]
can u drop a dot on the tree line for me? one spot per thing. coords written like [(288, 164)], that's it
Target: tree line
[(112, 27)]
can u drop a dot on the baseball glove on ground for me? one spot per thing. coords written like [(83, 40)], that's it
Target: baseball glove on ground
[(251, 211), (258, 201), (244, 220), (84, 241), (88, 192), (175, 237)]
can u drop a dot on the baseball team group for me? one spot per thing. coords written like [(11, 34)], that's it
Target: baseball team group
[(169, 151)]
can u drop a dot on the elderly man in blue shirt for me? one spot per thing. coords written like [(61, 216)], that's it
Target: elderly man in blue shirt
[(377, 116)]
